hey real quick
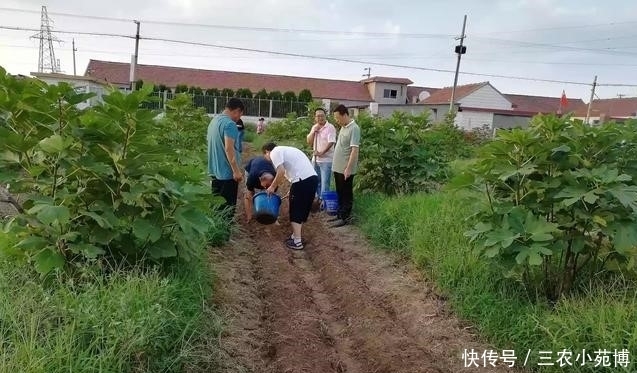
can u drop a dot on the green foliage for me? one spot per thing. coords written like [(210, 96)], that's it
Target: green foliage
[(305, 96), (275, 95), (181, 88), (214, 92), (227, 92), (289, 96), (290, 131), (262, 94), (428, 230), (97, 183), (160, 88), (562, 201), (195, 91), (133, 320), (244, 93), (401, 154), (183, 128)]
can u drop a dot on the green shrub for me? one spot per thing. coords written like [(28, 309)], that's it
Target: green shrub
[(561, 202), (97, 183), (401, 154)]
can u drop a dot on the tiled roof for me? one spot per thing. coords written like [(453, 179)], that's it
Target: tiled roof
[(118, 73), (443, 95), (384, 79), (541, 104), (610, 108), (414, 91)]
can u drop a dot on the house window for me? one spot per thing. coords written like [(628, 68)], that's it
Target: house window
[(390, 93)]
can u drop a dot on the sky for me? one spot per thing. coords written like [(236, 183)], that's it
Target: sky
[(569, 41)]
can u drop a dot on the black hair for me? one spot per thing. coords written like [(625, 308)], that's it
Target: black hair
[(341, 109), (320, 109), (235, 103), (261, 118), (268, 147)]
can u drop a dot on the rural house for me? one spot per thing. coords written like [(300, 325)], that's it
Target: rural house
[(481, 104), (602, 110), (379, 95)]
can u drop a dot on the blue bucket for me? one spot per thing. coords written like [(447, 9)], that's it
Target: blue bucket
[(330, 202), (266, 207)]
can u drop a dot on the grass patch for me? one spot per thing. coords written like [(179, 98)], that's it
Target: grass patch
[(429, 230), (138, 320)]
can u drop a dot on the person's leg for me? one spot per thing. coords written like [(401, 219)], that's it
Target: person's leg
[(301, 198), (317, 169), (339, 181), (348, 198), (228, 189), (324, 172)]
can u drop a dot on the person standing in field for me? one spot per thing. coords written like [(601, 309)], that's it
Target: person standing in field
[(294, 165), (322, 137), (345, 164), (224, 155)]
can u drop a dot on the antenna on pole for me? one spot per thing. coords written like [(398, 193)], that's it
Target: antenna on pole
[(46, 58), (369, 72)]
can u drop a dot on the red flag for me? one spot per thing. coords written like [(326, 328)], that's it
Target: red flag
[(563, 101)]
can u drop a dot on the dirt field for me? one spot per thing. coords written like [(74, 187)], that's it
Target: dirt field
[(337, 306)]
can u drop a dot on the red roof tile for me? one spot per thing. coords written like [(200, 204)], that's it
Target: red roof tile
[(443, 95), (118, 73), (541, 104), (610, 108), (414, 91), (384, 79)]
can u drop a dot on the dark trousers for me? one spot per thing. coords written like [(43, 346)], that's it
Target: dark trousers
[(228, 189), (345, 192)]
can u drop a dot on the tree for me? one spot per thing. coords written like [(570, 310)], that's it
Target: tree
[(305, 95), (196, 91), (212, 92), (227, 92), (262, 94), (289, 96), (138, 84), (181, 88), (275, 95), (161, 88), (244, 93)]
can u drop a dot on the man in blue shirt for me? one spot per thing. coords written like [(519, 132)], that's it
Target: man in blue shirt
[(259, 176), (224, 154)]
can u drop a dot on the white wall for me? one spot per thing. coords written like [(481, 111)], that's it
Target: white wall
[(379, 87), (468, 120), (486, 97), (387, 110)]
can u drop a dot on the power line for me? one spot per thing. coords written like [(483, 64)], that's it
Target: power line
[(14, 28), (558, 46), (361, 62), (558, 28), (298, 55), (243, 28)]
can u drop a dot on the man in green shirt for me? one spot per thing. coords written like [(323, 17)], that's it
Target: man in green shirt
[(345, 164)]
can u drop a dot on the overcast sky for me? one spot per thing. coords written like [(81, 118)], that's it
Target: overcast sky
[(578, 39)]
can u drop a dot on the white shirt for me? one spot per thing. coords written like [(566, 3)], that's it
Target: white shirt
[(326, 135), (296, 164)]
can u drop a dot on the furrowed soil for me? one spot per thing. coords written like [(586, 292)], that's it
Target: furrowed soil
[(336, 306)]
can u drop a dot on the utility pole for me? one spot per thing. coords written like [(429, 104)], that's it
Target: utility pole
[(74, 50), (460, 50), (590, 102), (621, 95), (134, 62), (369, 72)]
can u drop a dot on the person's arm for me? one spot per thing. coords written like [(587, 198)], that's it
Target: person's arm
[(232, 158), (280, 175), (310, 137), (247, 203), (353, 155)]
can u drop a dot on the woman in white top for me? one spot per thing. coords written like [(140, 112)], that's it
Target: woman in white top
[(294, 165)]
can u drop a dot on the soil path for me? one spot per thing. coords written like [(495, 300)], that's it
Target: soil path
[(337, 306)]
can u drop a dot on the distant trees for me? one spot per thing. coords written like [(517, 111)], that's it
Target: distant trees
[(289, 96)]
